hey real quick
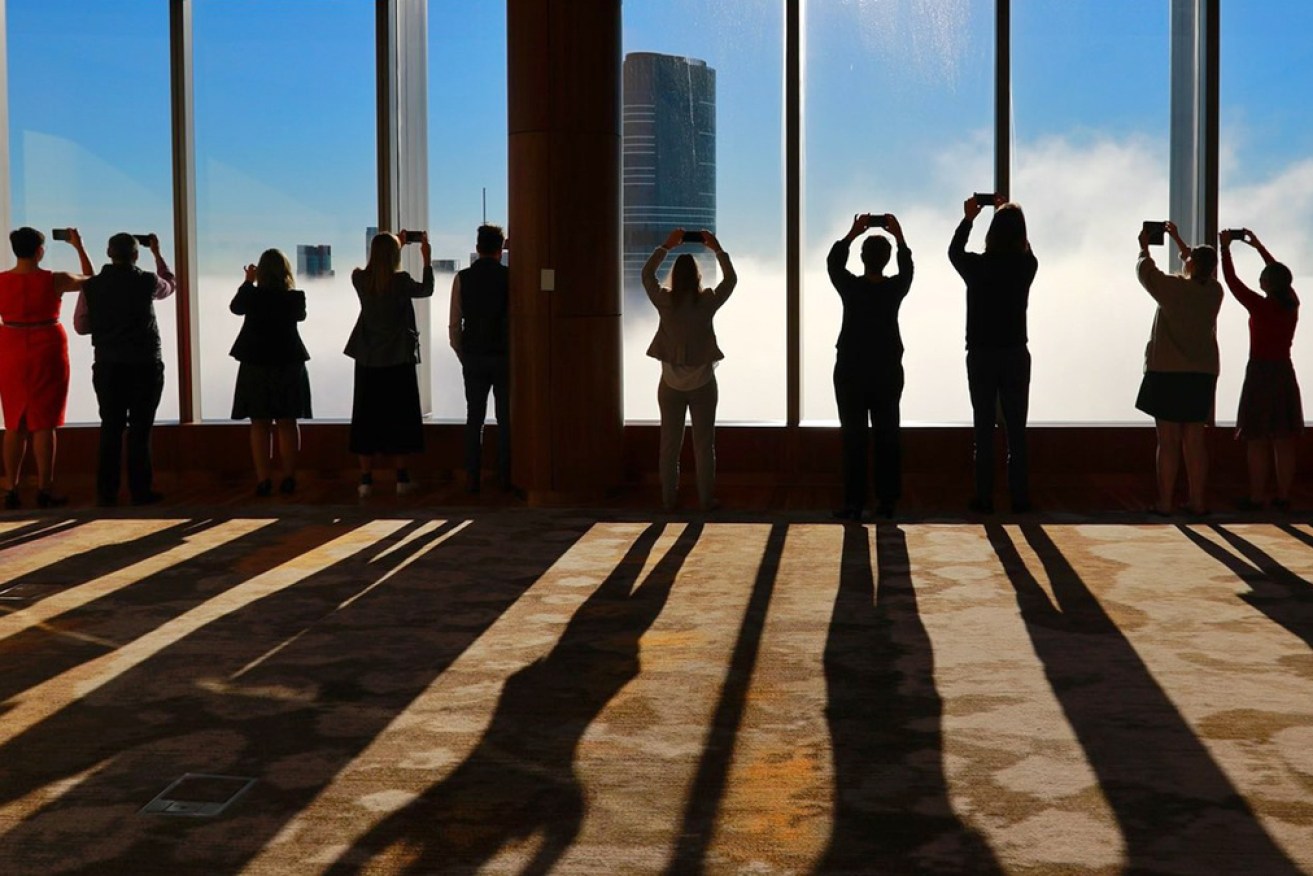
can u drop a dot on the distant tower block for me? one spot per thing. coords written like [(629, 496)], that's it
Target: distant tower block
[(314, 260), (669, 164)]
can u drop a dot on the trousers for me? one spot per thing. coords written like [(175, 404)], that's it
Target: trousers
[(700, 403)]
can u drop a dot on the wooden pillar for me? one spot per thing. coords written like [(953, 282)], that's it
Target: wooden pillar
[(563, 81)]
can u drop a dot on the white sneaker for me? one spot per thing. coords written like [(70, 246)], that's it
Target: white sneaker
[(364, 491), (405, 488)]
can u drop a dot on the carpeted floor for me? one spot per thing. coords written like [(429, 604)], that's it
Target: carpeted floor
[(538, 691)]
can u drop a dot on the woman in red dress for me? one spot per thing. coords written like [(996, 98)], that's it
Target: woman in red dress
[(34, 360)]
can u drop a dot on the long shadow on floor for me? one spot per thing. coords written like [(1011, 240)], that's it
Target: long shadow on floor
[(892, 809), (289, 689), (1276, 591), (1177, 810), (43, 651), (713, 769), (520, 781)]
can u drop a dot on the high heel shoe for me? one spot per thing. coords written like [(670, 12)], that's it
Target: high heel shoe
[(12, 502), (47, 499), (264, 488)]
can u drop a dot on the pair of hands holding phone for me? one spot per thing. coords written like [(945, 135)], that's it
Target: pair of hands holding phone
[(704, 237)]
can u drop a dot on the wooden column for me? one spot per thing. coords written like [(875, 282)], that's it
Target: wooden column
[(563, 81)]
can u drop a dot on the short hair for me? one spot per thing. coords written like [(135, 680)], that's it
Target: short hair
[(122, 248), (876, 250), (26, 241), (491, 238), (1007, 230), (1205, 262), (274, 271)]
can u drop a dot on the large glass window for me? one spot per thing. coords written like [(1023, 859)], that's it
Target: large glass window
[(286, 143), (1090, 96), (1266, 166), (89, 146), (467, 162), (703, 149), (899, 119)]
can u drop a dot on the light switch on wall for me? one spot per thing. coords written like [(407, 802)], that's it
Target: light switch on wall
[(547, 281)]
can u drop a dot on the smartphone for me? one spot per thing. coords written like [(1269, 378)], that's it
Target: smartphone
[(1241, 234), (143, 239), (60, 234), (410, 236), (1156, 232), (694, 237), (985, 199), (876, 220)]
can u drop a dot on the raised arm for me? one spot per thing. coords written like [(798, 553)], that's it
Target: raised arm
[(836, 263), (957, 247), (241, 302), (1247, 297), (1262, 250), (165, 285), (424, 289), (1148, 273), (903, 257), (653, 288), (729, 278), (66, 282)]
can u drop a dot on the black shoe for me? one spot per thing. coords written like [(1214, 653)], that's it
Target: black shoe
[(150, 498), (1282, 505), (264, 488), (1022, 506), (287, 486), (1247, 504), (885, 510), (847, 514), (980, 506), (12, 501), (47, 499), (472, 485)]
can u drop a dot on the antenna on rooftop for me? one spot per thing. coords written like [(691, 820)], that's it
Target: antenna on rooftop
[(485, 205)]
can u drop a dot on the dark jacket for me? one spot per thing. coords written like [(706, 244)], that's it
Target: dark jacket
[(484, 298), (998, 292), (869, 334), (269, 335), (385, 332), (121, 312)]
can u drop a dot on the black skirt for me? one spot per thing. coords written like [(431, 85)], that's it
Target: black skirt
[(272, 392), (385, 411), (1178, 396), (1270, 406)]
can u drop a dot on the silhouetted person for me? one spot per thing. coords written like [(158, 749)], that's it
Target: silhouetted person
[(273, 386), (868, 367), (34, 368), (685, 343), (386, 419), (1271, 414), (1181, 365), (117, 308), (479, 330), (998, 360)]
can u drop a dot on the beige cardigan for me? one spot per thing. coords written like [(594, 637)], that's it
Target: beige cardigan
[(685, 335), (1184, 335)]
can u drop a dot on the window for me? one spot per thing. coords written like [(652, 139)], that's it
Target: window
[(1266, 183), (467, 158), (89, 146), (899, 119), (702, 148), (1091, 110), (286, 142)]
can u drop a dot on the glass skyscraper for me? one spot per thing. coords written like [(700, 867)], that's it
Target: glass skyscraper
[(669, 158)]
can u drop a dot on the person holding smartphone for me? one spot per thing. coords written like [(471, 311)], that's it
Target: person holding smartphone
[(34, 369), (386, 418), (1180, 365), (868, 368), (998, 284), (117, 308), (273, 386), (685, 344), (1271, 414)]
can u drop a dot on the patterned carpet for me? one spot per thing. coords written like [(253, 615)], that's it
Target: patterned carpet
[(536, 691)]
